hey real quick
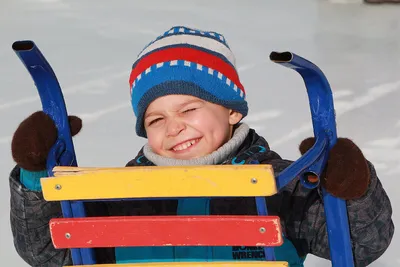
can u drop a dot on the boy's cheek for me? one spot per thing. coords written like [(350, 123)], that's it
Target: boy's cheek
[(203, 122), (154, 140)]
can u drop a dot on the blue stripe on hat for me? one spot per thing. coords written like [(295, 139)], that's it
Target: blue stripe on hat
[(210, 83)]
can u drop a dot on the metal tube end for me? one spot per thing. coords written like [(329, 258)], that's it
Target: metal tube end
[(23, 45), (281, 57)]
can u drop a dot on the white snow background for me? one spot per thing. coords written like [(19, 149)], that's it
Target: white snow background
[(91, 46)]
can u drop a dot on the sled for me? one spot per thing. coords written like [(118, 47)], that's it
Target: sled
[(73, 186)]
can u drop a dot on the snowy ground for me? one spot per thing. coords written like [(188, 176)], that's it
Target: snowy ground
[(92, 44)]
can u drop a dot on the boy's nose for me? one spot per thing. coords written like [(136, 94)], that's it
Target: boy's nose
[(174, 127)]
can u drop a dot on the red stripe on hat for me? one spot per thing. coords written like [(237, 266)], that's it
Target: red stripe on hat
[(189, 54)]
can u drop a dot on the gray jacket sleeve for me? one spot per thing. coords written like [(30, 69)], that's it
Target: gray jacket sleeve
[(30, 215), (370, 219)]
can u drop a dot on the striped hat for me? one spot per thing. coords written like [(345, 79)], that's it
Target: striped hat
[(186, 61)]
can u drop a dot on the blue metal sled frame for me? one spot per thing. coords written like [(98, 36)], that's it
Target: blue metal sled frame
[(312, 162), (62, 153)]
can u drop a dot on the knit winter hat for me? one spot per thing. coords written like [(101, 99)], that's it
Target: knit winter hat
[(190, 62)]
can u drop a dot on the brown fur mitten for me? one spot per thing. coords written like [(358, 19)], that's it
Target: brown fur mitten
[(34, 137), (346, 174)]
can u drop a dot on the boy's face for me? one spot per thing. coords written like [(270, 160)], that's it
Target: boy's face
[(187, 127)]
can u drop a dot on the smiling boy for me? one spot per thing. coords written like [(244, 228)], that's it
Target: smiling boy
[(189, 103)]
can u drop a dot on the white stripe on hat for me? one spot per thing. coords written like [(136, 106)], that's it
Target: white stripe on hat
[(200, 41)]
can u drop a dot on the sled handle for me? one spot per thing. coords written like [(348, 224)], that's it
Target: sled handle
[(313, 162), (53, 104)]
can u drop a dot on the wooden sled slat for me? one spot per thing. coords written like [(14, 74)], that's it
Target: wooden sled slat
[(197, 264), (172, 181), (132, 231)]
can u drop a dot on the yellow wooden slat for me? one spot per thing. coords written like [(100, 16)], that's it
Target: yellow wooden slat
[(155, 181), (197, 264)]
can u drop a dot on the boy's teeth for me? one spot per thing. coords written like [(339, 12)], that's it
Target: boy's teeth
[(184, 145)]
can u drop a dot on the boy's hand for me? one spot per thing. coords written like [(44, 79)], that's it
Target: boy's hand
[(34, 137), (346, 174)]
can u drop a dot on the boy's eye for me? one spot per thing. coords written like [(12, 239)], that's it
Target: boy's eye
[(155, 121), (189, 110)]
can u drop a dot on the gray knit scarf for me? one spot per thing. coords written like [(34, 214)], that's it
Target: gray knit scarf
[(216, 157)]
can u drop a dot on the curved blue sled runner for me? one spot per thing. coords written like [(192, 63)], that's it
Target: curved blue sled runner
[(312, 162)]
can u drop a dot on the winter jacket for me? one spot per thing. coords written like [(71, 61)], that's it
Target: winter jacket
[(300, 209)]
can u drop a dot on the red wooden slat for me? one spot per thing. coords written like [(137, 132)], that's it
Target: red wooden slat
[(166, 231)]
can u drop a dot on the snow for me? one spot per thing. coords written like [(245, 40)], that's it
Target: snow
[(92, 44)]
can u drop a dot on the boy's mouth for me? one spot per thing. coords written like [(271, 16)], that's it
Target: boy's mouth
[(185, 145)]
